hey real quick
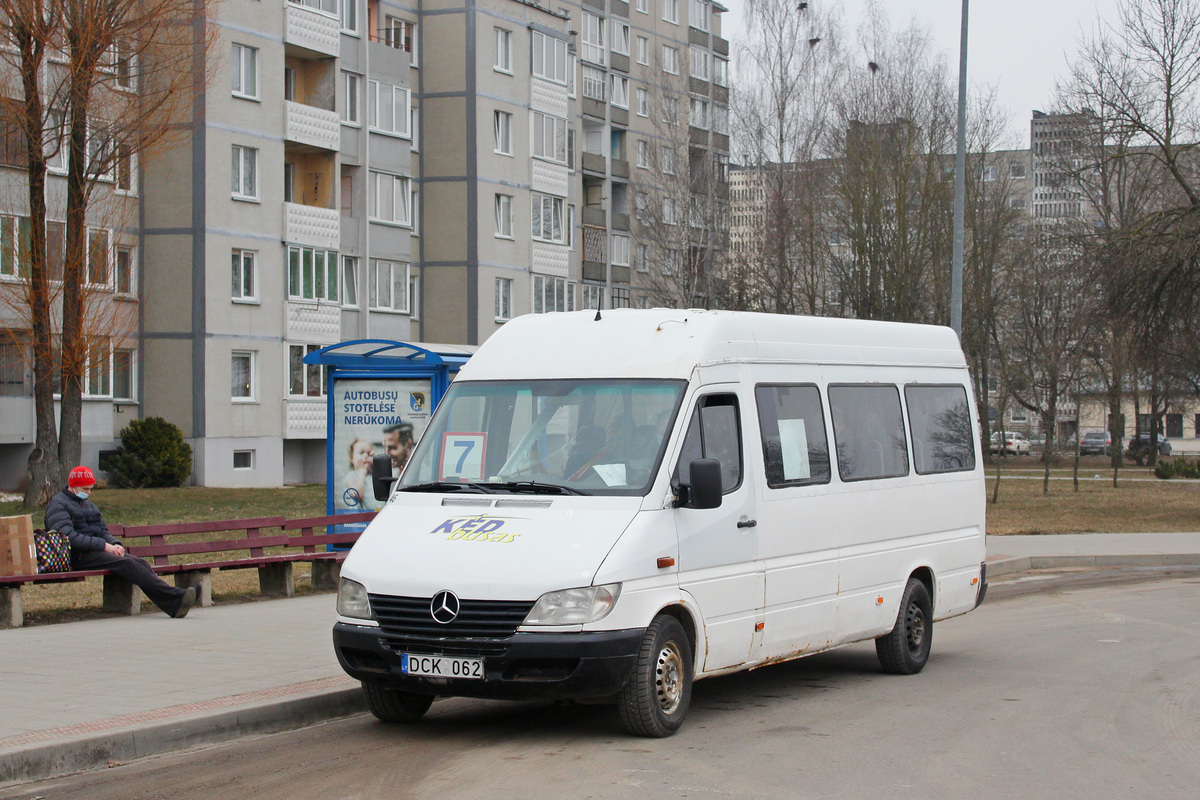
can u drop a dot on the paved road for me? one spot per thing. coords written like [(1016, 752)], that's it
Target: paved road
[(1070, 692)]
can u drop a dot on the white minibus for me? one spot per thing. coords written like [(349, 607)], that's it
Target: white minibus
[(607, 506)]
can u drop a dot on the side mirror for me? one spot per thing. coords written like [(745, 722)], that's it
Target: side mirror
[(381, 476), (704, 489)]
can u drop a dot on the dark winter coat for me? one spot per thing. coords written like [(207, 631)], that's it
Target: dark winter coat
[(80, 520)]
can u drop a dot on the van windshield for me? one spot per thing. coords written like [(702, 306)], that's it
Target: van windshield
[(546, 436)]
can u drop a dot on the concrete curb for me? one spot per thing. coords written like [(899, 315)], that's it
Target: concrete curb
[(1004, 565), (95, 750)]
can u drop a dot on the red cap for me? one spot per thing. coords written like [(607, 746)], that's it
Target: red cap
[(81, 476)]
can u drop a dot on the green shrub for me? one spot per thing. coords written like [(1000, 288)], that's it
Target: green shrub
[(152, 454), (1178, 468)]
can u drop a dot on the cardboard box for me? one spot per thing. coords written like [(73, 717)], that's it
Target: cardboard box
[(17, 555)]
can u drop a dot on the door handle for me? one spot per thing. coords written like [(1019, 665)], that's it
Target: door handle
[(747, 523)]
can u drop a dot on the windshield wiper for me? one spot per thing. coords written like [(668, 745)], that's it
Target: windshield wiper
[(448, 486), (537, 487)]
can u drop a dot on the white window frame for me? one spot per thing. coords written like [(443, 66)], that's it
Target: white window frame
[(348, 16), (619, 37), (641, 258), (105, 236), (643, 50), (594, 83), (126, 266), (399, 187), (54, 147), (670, 11), (251, 358), (244, 164), (560, 290), (398, 125), (666, 159), (124, 171), (243, 263), (309, 281), (701, 61), (503, 299), (130, 356), (305, 372), (618, 249), (502, 45), (503, 208), (720, 70), (245, 62), (97, 371), (502, 133), (620, 91), (592, 38), (643, 6), (352, 108), (698, 114), (400, 34), (540, 205), (643, 154), (700, 15), (349, 278), (643, 101), (380, 268), (670, 59), (549, 138), (549, 58), (593, 297)]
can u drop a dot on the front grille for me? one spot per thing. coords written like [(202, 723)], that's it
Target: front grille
[(482, 627)]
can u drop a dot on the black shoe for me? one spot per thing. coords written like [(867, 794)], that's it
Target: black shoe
[(185, 603)]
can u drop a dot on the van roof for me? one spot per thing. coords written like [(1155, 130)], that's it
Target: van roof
[(671, 343)]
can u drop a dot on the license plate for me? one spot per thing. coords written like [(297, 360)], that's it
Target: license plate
[(442, 667)]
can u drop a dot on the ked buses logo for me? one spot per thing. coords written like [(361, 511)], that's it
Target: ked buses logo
[(483, 528), (444, 607)]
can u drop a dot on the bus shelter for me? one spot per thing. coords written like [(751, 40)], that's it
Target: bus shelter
[(381, 395)]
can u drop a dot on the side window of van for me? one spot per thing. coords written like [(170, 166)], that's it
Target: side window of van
[(714, 432), (940, 421), (868, 430), (795, 450)]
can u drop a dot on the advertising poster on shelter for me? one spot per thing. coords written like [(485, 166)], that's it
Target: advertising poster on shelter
[(372, 416)]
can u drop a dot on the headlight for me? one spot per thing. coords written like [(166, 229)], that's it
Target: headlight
[(352, 600), (574, 606)]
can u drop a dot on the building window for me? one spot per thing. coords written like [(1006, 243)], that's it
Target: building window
[(548, 218), (593, 297), (593, 40), (503, 299), (701, 15), (619, 250), (620, 91), (97, 372), (672, 262), (593, 83), (350, 113), (643, 50), (549, 137), (245, 173), (123, 267), (242, 383), (124, 383), (699, 114), (642, 258), (97, 257), (620, 38), (350, 281), (387, 286), (243, 459), (989, 174), (720, 71), (618, 297), (670, 11), (643, 102), (570, 225), (1016, 171), (388, 108), (504, 218), (245, 276), (401, 35), (245, 71), (550, 58), (304, 380), (643, 154), (666, 159), (502, 130), (670, 59), (312, 274), (389, 198), (552, 294), (700, 61), (349, 16), (502, 57), (14, 375), (643, 6), (572, 155)]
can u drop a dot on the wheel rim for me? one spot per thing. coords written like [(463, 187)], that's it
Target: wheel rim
[(915, 628), (668, 678)]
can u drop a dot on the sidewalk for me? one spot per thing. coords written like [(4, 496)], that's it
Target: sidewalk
[(79, 695)]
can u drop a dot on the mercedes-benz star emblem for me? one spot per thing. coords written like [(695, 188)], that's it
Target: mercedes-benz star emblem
[(444, 607)]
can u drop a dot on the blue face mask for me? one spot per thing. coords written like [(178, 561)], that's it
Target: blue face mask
[(83, 494)]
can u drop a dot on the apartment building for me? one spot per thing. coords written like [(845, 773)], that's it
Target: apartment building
[(387, 170)]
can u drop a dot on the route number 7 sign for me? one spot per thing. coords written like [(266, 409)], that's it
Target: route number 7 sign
[(462, 456)]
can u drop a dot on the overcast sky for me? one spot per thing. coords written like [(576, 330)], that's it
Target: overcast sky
[(1017, 46)]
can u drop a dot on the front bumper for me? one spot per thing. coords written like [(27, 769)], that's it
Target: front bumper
[(531, 666)]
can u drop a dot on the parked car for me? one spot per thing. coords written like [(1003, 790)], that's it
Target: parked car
[(1096, 443), (1139, 447), (1015, 444)]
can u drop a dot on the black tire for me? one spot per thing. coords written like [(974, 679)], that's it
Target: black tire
[(394, 705), (905, 650), (656, 697)]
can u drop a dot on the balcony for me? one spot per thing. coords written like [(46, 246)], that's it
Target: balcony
[(312, 225), (313, 31), (595, 163), (312, 126)]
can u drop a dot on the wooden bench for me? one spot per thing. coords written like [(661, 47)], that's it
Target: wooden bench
[(266, 543)]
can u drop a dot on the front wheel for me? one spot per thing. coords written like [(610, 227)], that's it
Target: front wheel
[(905, 650), (394, 705), (655, 699)]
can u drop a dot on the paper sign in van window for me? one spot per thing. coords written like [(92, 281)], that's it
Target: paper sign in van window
[(462, 456), (793, 441), (611, 474)]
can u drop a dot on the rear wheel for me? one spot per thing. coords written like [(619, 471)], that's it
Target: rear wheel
[(905, 650), (394, 705), (655, 699)]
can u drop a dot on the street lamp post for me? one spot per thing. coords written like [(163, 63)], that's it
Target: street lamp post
[(960, 183)]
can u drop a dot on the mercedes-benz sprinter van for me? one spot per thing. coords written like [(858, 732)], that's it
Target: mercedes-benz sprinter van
[(608, 506)]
